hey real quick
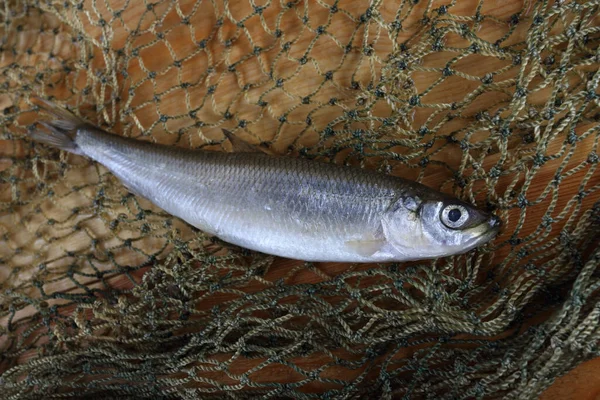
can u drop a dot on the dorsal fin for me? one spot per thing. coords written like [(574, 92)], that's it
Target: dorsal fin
[(241, 146)]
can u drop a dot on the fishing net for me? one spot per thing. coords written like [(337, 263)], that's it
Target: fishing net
[(104, 295)]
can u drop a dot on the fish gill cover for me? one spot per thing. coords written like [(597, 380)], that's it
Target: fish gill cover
[(102, 294)]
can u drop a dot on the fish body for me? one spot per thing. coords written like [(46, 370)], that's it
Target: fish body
[(289, 207)]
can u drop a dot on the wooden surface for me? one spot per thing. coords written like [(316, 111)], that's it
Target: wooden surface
[(582, 383)]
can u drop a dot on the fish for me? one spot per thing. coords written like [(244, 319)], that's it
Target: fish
[(289, 207)]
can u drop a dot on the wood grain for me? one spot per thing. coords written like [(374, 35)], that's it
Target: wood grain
[(264, 124), (582, 383)]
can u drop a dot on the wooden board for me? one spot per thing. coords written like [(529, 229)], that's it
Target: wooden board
[(159, 58)]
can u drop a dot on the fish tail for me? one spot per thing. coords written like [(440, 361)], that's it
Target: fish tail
[(62, 130)]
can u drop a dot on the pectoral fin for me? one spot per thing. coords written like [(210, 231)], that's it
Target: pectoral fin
[(241, 146), (366, 248)]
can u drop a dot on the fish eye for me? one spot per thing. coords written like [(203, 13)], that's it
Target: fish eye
[(454, 216)]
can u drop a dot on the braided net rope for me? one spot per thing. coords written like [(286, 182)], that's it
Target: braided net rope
[(103, 294)]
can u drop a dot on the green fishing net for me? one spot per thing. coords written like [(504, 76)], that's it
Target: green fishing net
[(103, 295)]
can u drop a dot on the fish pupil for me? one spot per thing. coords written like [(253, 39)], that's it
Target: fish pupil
[(454, 215)]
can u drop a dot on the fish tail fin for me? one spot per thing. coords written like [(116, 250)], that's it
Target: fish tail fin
[(62, 130)]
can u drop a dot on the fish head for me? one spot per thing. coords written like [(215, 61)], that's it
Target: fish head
[(436, 226)]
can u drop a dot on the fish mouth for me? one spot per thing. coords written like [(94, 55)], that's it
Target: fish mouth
[(494, 222), (489, 229)]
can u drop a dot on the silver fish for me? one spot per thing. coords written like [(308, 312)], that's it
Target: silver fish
[(289, 207)]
